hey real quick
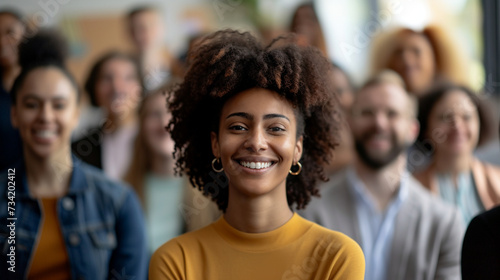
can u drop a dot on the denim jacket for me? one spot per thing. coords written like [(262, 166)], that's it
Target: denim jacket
[(101, 221)]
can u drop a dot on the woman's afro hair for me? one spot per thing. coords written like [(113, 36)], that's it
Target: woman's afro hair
[(46, 48), (228, 62)]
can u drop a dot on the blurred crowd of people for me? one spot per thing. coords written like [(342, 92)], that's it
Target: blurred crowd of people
[(405, 181)]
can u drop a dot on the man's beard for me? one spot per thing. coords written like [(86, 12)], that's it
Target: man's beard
[(378, 162)]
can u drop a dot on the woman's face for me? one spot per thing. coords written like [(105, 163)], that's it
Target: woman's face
[(11, 33), (118, 88), (154, 122), (414, 60), (454, 124), (257, 142), (46, 112)]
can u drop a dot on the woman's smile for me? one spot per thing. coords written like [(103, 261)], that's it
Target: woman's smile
[(257, 141), (256, 165), (46, 111)]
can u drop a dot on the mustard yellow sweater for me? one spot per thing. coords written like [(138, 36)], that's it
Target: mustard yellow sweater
[(299, 249)]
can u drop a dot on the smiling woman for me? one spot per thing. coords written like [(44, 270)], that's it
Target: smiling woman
[(257, 144), (424, 59), (73, 222), (253, 128), (454, 121)]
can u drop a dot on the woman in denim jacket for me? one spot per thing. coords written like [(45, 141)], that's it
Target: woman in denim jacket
[(61, 218)]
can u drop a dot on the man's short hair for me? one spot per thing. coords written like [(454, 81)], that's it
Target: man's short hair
[(389, 77)]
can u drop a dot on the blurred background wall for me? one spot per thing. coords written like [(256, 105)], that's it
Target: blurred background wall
[(94, 26), (349, 28)]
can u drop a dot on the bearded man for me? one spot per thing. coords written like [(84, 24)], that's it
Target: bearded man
[(404, 231)]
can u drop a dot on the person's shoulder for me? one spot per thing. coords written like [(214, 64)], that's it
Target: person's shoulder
[(332, 237), (336, 183), (420, 194), (492, 214), (92, 172), (343, 252), (428, 205), (420, 175), (492, 169), (101, 183), (171, 248), (190, 238), (169, 260), (176, 248), (333, 194), (489, 219), (423, 176)]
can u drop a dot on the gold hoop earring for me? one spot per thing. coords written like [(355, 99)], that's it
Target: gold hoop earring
[(296, 172), (215, 169)]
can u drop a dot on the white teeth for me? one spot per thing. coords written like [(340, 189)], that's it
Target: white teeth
[(256, 165), (45, 133)]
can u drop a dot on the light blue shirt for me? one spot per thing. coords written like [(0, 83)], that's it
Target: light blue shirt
[(163, 199), (464, 196), (377, 228)]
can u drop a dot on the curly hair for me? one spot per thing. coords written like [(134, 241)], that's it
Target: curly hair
[(46, 48), (228, 62)]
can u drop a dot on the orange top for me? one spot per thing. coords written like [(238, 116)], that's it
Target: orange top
[(299, 249), (50, 258)]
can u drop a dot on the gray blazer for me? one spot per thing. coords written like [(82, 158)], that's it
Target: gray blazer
[(427, 236)]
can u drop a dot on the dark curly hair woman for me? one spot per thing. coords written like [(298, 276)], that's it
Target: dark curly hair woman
[(253, 128)]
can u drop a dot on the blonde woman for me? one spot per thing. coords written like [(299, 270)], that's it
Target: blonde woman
[(422, 58)]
